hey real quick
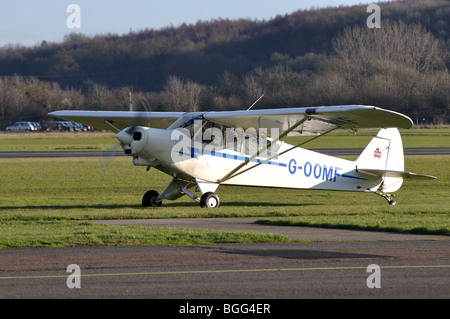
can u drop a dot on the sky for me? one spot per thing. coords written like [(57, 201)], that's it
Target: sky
[(29, 22)]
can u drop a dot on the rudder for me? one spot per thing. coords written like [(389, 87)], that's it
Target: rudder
[(384, 153)]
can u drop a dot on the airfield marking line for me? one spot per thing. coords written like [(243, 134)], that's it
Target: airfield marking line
[(193, 272)]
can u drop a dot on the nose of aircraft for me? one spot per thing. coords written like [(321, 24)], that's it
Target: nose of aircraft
[(133, 137), (125, 137), (147, 143)]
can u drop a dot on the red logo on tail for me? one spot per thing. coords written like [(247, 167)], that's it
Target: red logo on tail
[(377, 153)]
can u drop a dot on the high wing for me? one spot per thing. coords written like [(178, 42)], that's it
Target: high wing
[(110, 120), (320, 119)]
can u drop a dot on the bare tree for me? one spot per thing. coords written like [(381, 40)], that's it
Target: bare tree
[(17, 98), (4, 92), (252, 87), (175, 93), (404, 44), (100, 96), (193, 91), (400, 66), (181, 95)]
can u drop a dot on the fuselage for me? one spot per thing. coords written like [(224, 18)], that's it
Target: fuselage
[(177, 153)]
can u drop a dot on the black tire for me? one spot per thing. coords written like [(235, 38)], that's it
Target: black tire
[(149, 199), (209, 200)]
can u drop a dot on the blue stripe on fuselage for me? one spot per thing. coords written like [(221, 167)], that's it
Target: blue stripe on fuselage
[(194, 153)]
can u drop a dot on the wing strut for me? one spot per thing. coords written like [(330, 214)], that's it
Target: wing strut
[(251, 158), (112, 125), (272, 157)]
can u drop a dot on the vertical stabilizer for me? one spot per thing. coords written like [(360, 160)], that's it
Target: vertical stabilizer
[(384, 153)]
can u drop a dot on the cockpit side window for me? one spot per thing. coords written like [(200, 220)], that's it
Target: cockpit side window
[(218, 136)]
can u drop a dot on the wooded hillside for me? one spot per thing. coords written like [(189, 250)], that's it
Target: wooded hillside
[(310, 57)]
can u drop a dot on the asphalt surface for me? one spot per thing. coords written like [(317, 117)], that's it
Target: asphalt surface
[(331, 263)]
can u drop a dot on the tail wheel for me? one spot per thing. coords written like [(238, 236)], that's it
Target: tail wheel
[(209, 200), (149, 199)]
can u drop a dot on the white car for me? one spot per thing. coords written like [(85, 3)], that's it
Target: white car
[(21, 127)]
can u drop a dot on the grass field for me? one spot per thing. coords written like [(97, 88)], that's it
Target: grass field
[(49, 202), (56, 141)]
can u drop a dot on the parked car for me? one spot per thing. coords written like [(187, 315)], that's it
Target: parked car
[(80, 127), (37, 126), (21, 127), (65, 126)]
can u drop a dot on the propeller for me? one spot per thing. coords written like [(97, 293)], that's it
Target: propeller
[(122, 135), (125, 137)]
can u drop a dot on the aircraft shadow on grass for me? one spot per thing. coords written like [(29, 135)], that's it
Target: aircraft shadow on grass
[(137, 206)]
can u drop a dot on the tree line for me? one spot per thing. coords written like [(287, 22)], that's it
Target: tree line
[(310, 57)]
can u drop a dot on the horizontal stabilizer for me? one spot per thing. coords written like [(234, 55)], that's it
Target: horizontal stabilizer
[(387, 173)]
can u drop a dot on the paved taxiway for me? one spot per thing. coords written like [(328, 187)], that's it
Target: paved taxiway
[(328, 151), (333, 265)]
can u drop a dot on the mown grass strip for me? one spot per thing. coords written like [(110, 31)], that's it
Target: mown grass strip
[(78, 233), (431, 225)]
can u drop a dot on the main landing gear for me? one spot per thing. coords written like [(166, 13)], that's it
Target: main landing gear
[(178, 188), (208, 200), (150, 199)]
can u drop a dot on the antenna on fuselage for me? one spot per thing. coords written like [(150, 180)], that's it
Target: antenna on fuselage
[(255, 102), (131, 103)]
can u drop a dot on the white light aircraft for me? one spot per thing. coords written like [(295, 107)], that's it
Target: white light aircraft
[(206, 149)]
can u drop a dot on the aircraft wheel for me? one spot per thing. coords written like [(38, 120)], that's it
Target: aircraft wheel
[(149, 199), (209, 200), (392, 202)]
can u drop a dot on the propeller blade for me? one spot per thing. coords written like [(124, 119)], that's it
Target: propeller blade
[(125, 137), (107, 156)]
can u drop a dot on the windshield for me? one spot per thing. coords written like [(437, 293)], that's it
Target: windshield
[(186, 120)]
